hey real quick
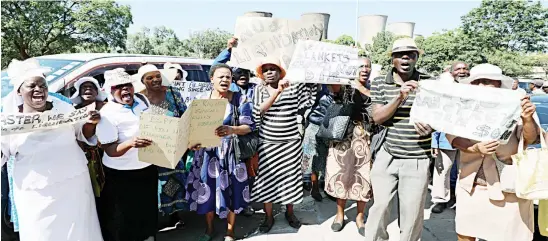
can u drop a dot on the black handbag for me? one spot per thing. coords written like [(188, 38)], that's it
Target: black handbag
[(337, 121), (245, 146)]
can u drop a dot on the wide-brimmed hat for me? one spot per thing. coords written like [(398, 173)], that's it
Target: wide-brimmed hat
[(538, 82), (274, 61), (116, 77), (405, 45), (169, 65), (76, 99), (489, 71), (168, 75)]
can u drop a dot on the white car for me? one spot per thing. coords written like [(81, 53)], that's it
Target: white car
[(68, 68)]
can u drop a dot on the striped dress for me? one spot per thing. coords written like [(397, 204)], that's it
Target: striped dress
[(279, 178)]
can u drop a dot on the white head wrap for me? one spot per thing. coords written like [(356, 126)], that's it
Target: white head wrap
[(19, 71)]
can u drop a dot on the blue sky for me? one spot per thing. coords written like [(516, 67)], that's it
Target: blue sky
[(186, 16)]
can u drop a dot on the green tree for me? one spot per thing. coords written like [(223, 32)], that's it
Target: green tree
[(207, 44), (444, 48), (158, 41), (348, 41), (511, 63), (516, 25), (35, 28)]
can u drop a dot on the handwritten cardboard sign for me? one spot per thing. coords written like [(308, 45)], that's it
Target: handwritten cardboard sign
[(171, 136), (323, 63), (16, 123), (473, 112), (190, 89), (270, 37)]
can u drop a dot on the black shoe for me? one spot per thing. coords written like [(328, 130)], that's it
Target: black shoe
[(361, 231), (316, 195), (336, 226), (265, 226), (248, 212), (452, 203), (293, 220), (307, 186), (439, 207)]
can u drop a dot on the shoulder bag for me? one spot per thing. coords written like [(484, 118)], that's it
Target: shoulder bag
[(246, 146), (337, 120)]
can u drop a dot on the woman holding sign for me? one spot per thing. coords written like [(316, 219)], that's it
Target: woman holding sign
[(485, 210), (128, 207), (52, 189), (218, 182), (278, 111), (165, 101)]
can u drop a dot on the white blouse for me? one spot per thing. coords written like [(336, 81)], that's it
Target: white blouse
[(120, 123), (47, 157)]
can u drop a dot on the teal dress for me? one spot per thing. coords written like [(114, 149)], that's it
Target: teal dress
[(171, 182)]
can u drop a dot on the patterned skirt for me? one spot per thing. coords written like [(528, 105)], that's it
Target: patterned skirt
[(349, 166), (217, 183), (172, 191)]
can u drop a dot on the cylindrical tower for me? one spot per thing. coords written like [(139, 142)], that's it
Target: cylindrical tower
[(324, 17), (258, 14), (417, 35), (401, 28), (370, 26)]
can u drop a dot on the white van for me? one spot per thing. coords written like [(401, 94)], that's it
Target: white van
[(68, 68)]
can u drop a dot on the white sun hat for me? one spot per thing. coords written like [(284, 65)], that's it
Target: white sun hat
[(18, 71), (76, 99), (169, 65), (405, 45), (489, 71), (168, 75)]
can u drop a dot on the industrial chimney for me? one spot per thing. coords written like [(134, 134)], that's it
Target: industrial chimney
[(258, 14), (370, 26), (401, 28), (324, 17)]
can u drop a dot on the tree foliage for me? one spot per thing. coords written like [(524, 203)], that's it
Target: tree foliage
[(207, 44), (158, 41), (347, 40), (516, 25), (35, 28)]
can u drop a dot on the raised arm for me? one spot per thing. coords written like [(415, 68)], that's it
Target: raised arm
[(225, 55), (382, 113)]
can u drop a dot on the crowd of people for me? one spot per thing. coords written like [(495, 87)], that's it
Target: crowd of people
[(97, 189)]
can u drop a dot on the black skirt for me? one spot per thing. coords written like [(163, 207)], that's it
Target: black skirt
[(128, 206)]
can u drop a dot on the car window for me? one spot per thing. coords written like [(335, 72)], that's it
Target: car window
[(58, 69)]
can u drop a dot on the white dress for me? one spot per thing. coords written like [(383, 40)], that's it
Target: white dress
[(52, 188)]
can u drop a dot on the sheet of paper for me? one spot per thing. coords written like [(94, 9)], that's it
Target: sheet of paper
[(259, 38), (205, 115), (164, 131), (472, 112), (15, 123), (323, 63)]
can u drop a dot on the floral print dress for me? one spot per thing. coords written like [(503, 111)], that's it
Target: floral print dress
[(217, 181)]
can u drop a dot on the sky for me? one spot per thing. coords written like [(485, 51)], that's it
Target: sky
[(185, 16)]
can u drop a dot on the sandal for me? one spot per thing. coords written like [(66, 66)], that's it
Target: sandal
[(265, 227), (316, 195), (228, 238), (205, 237), (293, 221)]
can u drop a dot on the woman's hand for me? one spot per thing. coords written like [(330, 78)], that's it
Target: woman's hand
[(282, 85), (423, 129), (138, 142), (487, 147), (196, 147), (94, 117), (527, 108), (223, 131)]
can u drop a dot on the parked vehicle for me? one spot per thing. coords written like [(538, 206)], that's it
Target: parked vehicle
[(66, 69), (541, 102)]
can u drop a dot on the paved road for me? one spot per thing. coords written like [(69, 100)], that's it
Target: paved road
[(317, 217)]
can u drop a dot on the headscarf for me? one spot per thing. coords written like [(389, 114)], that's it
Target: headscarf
[(19, 71)]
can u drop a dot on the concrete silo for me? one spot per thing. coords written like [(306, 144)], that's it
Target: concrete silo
[(401, 28), (369, 27), (323, 17), (258, 14), (417, 35)]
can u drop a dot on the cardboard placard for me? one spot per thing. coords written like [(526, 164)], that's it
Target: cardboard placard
[(473, 112)]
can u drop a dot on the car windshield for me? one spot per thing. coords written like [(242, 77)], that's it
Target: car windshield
[(58, 68), (541, 102)]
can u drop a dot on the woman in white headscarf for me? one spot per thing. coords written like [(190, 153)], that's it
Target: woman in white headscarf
[(51, 188), (89, 92)]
